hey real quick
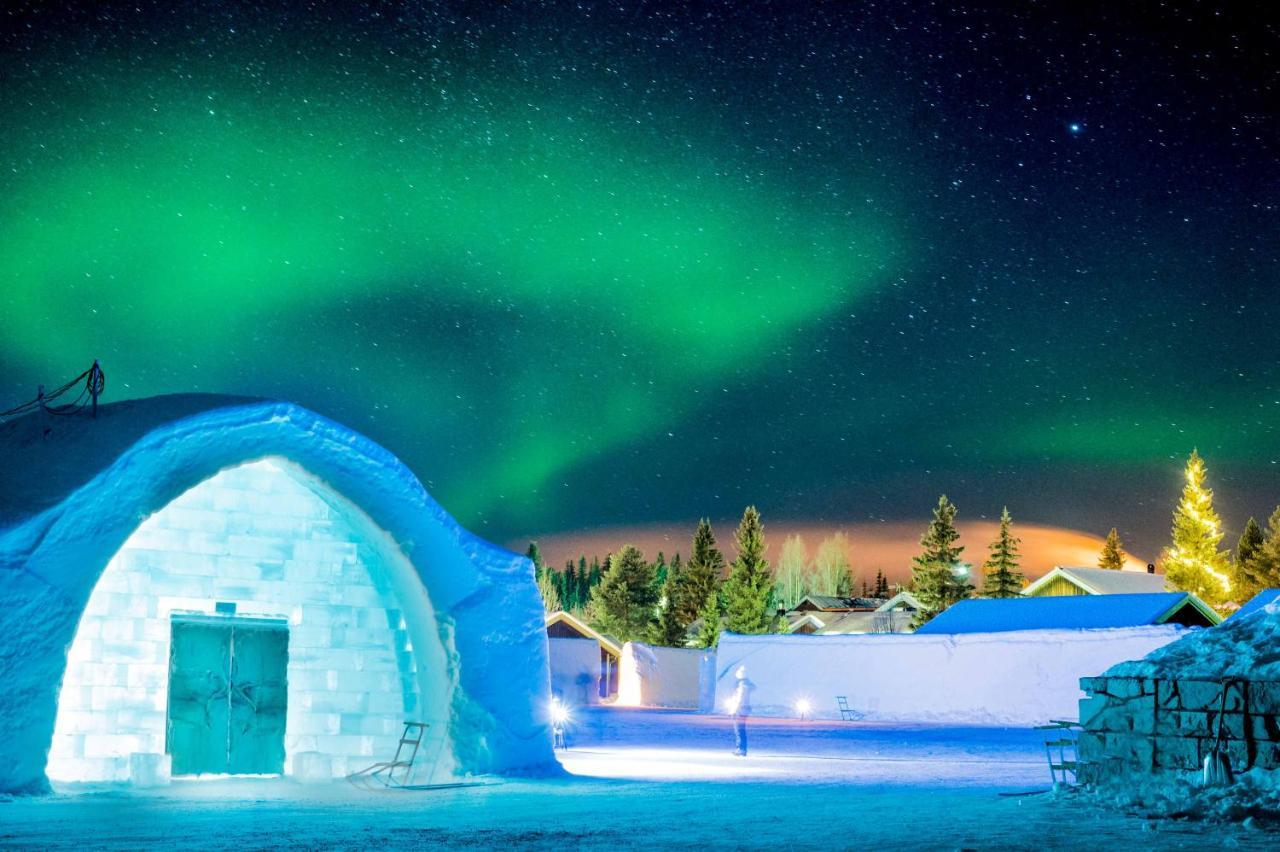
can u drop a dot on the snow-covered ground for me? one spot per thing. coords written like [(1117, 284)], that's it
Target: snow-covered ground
[(647, 779)]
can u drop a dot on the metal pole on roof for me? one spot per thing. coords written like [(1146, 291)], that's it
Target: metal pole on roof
[(96, 383)]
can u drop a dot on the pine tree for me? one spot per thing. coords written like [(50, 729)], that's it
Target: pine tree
[(550, 594), (882, 586), (534, 556), (748, 592), (832, 574), (702, 573), (709, 635), (793, 569), (1003, 579), (1112, 557), (1246, 578), (659, 572), (625, 599), (934, 578), (584, 582), (1264, 564), (1193, 562), (570, 600), (670, 631)]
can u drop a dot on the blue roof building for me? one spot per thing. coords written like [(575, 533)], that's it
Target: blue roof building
[(1074, 612), (1257, 602)]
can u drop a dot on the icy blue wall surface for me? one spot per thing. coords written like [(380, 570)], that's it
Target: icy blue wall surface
[(256, 536), (489, 617)]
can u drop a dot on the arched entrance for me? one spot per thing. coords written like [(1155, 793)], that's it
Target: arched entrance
[(260, 623)]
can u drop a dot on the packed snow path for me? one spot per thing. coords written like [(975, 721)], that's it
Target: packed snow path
[(652, 780)]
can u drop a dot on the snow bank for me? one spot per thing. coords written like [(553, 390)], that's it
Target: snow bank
[(1182, 795), (1011, 678), (1246, 646), (660, 677), (75, 488)]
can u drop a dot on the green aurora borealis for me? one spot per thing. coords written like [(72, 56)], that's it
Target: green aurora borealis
[(581, 271)]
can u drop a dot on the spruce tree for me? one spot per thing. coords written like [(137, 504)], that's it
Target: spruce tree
[(550, 594), (748, 593), (702, 573), (534, 556), (625, 599), (659, 572), (584, 582), (709, 634), (1112, 557), (570, 584), (1193, 562), (671, 632), (882, 586), (1003, 579), (1246, 578), (934, 578), (1264, 564)]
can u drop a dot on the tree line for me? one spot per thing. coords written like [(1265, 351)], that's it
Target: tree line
[(658, 602)]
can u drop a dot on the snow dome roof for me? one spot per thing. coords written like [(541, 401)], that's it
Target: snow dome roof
[(72, 490), (47, 457)]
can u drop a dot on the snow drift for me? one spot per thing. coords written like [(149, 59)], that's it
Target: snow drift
[(73, 489), (1246, 645), (1012, 678)]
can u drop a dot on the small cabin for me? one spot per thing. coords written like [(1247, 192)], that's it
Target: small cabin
[(584, 661)]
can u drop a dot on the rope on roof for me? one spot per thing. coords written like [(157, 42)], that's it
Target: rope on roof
[(94, 382)]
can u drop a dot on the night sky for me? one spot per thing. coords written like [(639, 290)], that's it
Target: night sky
[(603, 264)]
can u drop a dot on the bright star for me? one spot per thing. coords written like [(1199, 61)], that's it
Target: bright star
[(1075, 127)]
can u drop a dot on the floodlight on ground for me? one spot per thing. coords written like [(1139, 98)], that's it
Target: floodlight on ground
[(803, 706)]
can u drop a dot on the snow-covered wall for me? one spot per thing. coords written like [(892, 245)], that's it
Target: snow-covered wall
[(575, 670), (259, 537), (94, 482), (651, 676), (1013, 678)]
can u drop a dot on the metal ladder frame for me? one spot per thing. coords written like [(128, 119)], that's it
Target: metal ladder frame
[(385, 773)]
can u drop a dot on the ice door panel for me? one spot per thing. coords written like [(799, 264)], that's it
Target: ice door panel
[(259, 696), (227, 697), (199, 662)]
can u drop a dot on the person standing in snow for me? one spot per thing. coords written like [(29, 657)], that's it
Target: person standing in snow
[(740, 707)]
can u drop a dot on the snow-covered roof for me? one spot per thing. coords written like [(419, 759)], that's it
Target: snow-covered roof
[(1257, 602), (1071, 612), (893, 621), (609, 643), (903, 599), (48, 457), (1102, 581), (829, 603)]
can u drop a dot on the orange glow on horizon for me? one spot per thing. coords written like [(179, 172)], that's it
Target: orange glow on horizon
[(887, 547)]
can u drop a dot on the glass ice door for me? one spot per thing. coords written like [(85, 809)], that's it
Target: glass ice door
[(227, 696)]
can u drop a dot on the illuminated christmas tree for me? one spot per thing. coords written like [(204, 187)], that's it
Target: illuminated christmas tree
[(1193, 563)]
